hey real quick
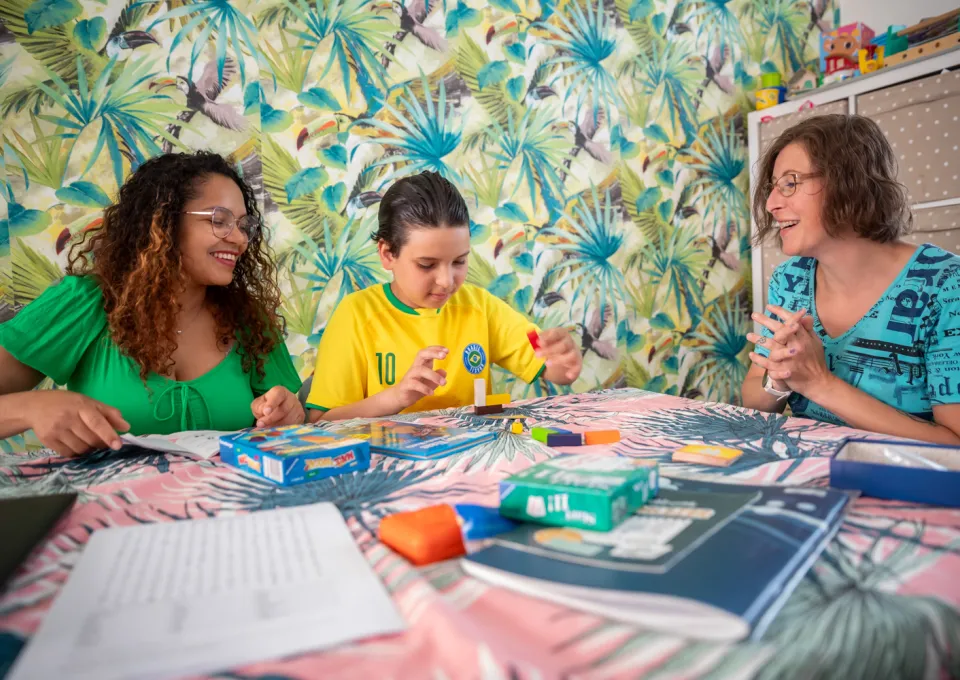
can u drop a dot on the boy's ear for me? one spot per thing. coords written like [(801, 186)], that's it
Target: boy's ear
[(387, 258)]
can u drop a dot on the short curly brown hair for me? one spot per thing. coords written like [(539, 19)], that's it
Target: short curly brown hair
[(859, 175), (135, 257)]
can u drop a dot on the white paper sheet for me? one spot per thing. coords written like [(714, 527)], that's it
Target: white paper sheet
[(202, 444), (190, 597)]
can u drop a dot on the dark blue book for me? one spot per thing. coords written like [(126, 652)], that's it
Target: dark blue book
[(704, 559)]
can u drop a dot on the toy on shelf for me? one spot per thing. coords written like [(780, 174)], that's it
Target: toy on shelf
[(803, 81), (840, 51), (929, 37), (870, 58), (771, 92)]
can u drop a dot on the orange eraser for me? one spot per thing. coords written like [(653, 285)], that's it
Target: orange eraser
[(601, 437), (424, 536)]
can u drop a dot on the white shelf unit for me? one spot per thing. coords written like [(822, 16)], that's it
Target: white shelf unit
[(922, 86)]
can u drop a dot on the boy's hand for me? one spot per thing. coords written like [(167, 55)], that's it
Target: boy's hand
[(564, 360), (421, 380)]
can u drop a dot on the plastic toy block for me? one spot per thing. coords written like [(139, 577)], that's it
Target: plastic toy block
[(565, 439), (498, 399), (479, 392), (703, 454), (487, 410), (534, 339), (601, 437), (424, 536), (516, 427), (540, 434)]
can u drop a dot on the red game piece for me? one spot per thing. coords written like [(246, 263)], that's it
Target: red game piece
[(534, 339)]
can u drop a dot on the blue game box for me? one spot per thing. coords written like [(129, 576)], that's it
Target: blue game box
[(294, 454), (898, 470)]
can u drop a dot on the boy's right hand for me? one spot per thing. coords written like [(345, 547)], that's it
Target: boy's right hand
[(421, 380), (72, 424)]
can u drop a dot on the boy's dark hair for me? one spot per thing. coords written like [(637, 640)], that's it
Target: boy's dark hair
[(858, 169), (427, 200)]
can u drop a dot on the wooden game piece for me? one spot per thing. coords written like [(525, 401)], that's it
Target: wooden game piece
[(498, 399), (564, 439), (704, 454), (534, 339), (479, 392), (601, 437), (487, 410), (516, 427), (540, 434)]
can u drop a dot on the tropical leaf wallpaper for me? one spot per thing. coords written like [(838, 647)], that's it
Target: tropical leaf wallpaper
[(601, 147)]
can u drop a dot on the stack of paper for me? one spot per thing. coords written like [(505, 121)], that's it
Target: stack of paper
[(193, 597)]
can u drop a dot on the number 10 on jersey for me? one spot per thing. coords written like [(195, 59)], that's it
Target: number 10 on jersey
[(387, 368)]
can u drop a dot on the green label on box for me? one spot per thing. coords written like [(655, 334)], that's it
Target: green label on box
[(583, 491)]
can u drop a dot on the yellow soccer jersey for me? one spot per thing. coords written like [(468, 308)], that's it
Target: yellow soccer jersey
[(372, 338)]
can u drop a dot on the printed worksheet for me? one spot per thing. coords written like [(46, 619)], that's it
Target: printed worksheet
[(192, 597)]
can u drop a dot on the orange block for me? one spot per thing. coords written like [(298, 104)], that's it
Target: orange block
[(424, 536), (601, 437), (498, 399)]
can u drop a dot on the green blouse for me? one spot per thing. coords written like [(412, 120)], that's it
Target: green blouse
[(64, 335)]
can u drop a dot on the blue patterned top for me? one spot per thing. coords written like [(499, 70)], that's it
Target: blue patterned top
[(905, 351)]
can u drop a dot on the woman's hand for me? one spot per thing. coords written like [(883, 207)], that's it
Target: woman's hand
[(278, 406), (420, 381), (563, 358), (800, 363), (782, 333), (72, 424)]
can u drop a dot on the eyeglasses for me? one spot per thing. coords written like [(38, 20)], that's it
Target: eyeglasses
[(223, 221), (788, 183)]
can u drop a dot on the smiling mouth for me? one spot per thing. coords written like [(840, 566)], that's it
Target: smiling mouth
[(226, 259), (786, 224)]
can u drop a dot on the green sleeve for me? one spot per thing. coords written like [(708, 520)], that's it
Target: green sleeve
[(278, 369), (52, 333)]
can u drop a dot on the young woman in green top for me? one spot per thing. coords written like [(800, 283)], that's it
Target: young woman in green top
[(167, 320)]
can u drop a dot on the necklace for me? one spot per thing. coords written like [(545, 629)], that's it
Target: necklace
[(195, 316)]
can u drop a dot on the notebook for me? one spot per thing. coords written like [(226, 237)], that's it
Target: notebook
[(415, 441), (704, 559), (198, 444), (24, 523)]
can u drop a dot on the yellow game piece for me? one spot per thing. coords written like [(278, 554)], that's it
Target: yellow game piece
[(516, 427), (704, 454), (498, 399)]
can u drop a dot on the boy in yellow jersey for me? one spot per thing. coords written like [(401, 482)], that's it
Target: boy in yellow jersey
[(419, 342)]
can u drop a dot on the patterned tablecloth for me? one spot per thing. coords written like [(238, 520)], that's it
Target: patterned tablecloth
[(882, 602)]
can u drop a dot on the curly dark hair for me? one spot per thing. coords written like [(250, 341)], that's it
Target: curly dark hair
[(427, 200), (859, 173), (135, 257)]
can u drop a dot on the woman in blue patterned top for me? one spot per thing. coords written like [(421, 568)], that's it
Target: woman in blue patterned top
[(864, 329)]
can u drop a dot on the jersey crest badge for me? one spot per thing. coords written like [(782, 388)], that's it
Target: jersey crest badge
[(474, 358)]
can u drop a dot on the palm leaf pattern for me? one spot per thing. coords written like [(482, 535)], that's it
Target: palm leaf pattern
[(596, 155)]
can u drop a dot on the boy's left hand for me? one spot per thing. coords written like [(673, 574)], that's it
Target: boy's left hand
[(279, 406), (564, 360)]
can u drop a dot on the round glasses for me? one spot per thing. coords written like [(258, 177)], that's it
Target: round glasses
[(222, 221), (787, 184)]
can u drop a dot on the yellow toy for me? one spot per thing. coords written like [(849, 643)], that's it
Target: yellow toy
[(868, 65)]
